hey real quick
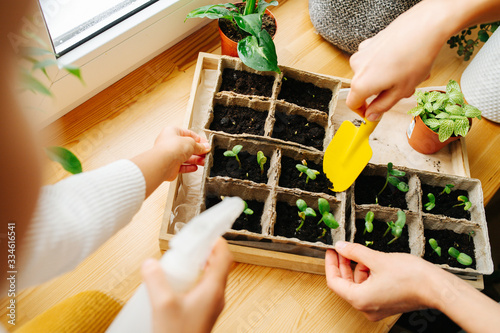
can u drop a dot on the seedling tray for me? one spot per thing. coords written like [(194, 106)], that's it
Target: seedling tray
[(187, 194)]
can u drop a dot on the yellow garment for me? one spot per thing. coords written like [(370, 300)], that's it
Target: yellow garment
[(89, 311)]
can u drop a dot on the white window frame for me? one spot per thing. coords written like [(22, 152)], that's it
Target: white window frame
[(116, 52)]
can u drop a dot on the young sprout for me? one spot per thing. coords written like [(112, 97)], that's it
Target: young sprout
[(396, 227), (322, 234), (434, 244), (432, 202), (392, 177), (303, 212), (471, 234), (462, 258), (447, 189), (464, 202), (247, 211), (368, 243), (310, 173), (326, 216), (261, 159), (234, 153), (369, 222)]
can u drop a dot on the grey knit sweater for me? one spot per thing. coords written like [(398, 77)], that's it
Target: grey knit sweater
[(346, 24)]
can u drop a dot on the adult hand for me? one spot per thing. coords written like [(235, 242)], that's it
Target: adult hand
[(181, 149), (381, 284), (196, 310), (391, 64)]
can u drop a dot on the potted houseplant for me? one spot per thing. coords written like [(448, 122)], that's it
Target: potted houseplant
[(256, 49), (439, 118)]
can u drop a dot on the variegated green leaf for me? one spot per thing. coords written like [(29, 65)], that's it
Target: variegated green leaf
[(454, 109), (433, 96), (421, 97), (454, 117), (452, 86), (456, 97), (461, 127), (432, 123), (446, 129), (442, 115), (472, 111), (416, 111), (428, 106)]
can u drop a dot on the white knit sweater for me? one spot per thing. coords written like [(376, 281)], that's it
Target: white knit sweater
[(76, 216)]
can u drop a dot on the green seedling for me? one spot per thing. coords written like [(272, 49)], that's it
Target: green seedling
[(434, 245), (432, 202), (464, 202), (392, 177), (447, 189), (326, 217), (310, 173), (396, 227), (322, 234), (247, 211), (369, 222), (368, 243), (261, 159), (303, 212), (234, 153), (462, 258)]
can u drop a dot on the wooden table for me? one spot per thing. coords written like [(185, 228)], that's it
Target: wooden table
[(124, 119)]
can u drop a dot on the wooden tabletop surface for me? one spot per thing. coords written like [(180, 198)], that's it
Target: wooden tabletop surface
[(124, 119)]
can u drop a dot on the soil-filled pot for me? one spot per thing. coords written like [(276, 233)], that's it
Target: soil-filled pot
[(229, 47), (423, 139)]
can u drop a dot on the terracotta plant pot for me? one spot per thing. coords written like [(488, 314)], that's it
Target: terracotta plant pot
[(230, 47), (423, 139)]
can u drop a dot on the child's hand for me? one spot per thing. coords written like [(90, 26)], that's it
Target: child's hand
[(182, 149), (175, 151), (198, 309)]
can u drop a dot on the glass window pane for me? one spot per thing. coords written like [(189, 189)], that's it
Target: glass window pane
[(72, 22)]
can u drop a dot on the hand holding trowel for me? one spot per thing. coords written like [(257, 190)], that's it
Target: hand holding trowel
[(348, 153)]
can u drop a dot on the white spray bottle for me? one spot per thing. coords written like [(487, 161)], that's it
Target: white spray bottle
[(183, 262)]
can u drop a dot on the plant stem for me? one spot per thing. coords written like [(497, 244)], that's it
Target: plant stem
[(238, 160), (300, 226), (385, 185), (390, 242)]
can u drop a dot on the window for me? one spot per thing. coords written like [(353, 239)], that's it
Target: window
[(71, 23)]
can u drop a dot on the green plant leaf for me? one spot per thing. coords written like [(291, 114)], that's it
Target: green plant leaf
[(31, 83), (456, 97), (432, 123), (472, 111), (440, 101), (262, 5), (236, 149), (429, 107), (250, 23), (35, 51), (454, 109), (421, 96), (464, 259), (453, 252), (467, 205), (249, 7), (401, 220), (369, 217), (74, 70), (212, 12), (310, 212), (330, 221), (442, 115), (397, 173), (301, 205), (44, 63), (452, 86), (461, 127), (301, 167), (483, 36), (433, 96), (323, 206), (66, 158), (311, 173), (416, 111), (259, 52), (446, 129), (229, 153), (403, 187), (433, 243), (393, 180)]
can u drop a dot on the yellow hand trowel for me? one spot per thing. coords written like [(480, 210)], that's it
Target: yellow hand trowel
[(348, 153)]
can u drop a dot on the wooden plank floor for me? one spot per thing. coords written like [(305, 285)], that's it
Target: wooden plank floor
[(124, 120)]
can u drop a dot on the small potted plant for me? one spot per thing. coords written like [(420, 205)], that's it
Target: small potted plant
[(439, 118), (249, 41)]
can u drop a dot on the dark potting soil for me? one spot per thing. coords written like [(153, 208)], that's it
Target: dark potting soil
[(290, 177), (238, 120), (446, 239), (246, 83), (445, 202), (288, 220), (379, 242), (298, 129), (305, 94), (244, 221), (367, 188), (235, 34), (228, 166)]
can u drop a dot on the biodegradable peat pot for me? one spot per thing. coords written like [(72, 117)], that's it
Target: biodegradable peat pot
[(423, 139), (228, 46)]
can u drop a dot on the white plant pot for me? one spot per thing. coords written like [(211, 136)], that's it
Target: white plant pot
[(480, 81)]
